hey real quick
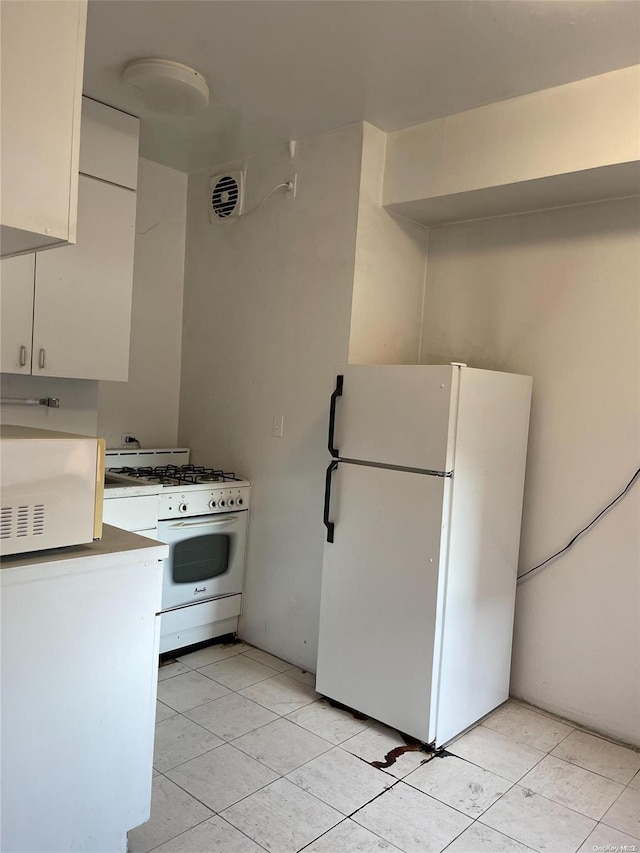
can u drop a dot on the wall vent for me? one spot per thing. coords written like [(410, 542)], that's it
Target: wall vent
[(226, 194)]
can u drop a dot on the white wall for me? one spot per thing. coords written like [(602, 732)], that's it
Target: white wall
[(555, 295), (266, 329), (388, 284), (147, 405), (78, 403)]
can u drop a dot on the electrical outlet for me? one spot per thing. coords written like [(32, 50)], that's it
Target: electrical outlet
[(128, 438), (277, 426), (292, 188)]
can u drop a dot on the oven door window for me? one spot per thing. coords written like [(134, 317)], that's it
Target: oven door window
[(201, 558)]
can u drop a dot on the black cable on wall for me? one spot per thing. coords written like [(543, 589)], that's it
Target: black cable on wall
[(584, 529)]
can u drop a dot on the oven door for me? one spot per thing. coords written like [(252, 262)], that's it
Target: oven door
[(206, 557)]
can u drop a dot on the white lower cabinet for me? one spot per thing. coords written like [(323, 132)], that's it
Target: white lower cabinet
[(79, 655), (68, 312)]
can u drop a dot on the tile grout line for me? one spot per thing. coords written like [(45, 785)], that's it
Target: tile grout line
[(548, 715), (578, 727), (513, 739), (199, 823), (215, 814), (613, 804), (587, 770), (313, 840), (187, 760), (549, 800)]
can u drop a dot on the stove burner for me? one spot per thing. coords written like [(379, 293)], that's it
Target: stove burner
[(174, 475)]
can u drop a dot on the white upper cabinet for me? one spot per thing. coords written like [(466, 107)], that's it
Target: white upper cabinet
[(82, 312), (16, 317), (109, 144), (67, 312), (42, 55)]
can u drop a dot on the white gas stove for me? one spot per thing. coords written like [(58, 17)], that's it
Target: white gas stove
[(202, 515), (186, 489)]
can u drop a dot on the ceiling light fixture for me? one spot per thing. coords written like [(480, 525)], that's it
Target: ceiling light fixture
[(168, 87)]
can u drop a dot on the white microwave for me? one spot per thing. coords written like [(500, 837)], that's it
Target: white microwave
[(51, 489)]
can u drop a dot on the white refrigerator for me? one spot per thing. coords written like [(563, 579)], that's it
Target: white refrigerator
[(423, 504)]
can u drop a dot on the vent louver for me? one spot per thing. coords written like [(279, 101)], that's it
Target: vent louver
[(21, 521), (22, 527), (6, 522), (38, 520)]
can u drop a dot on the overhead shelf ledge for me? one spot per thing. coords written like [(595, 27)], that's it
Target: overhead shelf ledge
[(618, 180)]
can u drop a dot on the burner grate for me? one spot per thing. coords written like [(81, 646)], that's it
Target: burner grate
[(171, 475)]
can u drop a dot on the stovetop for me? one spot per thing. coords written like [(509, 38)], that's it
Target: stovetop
[(176, 475), (169, 470)]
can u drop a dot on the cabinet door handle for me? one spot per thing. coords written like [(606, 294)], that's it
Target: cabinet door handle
[(23, 355), (42, 358)]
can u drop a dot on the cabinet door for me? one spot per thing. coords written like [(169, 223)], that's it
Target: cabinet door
[(42, 56), (109, 144), (82, 313), (16, 306)]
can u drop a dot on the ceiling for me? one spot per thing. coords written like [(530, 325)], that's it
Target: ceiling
[(287, 69)]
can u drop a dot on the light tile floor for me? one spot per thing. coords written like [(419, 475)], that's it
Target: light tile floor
[(248, 757)]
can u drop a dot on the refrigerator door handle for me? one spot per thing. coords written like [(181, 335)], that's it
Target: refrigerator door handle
[(332, 415), (327, 499)]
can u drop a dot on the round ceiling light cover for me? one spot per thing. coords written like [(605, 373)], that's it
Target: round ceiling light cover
[(168, 87)]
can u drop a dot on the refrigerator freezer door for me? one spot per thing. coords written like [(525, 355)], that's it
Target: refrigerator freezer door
[(378, 616), (399, 415)]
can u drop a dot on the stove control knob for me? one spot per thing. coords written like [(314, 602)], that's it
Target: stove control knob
[(239, 501), (182, 507), (222, 502), (212, 504), (231, 502)]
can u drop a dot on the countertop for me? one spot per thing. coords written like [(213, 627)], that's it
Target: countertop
[(117, 547), (122, 490)]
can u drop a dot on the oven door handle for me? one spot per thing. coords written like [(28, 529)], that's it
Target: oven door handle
[(213, 523)]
